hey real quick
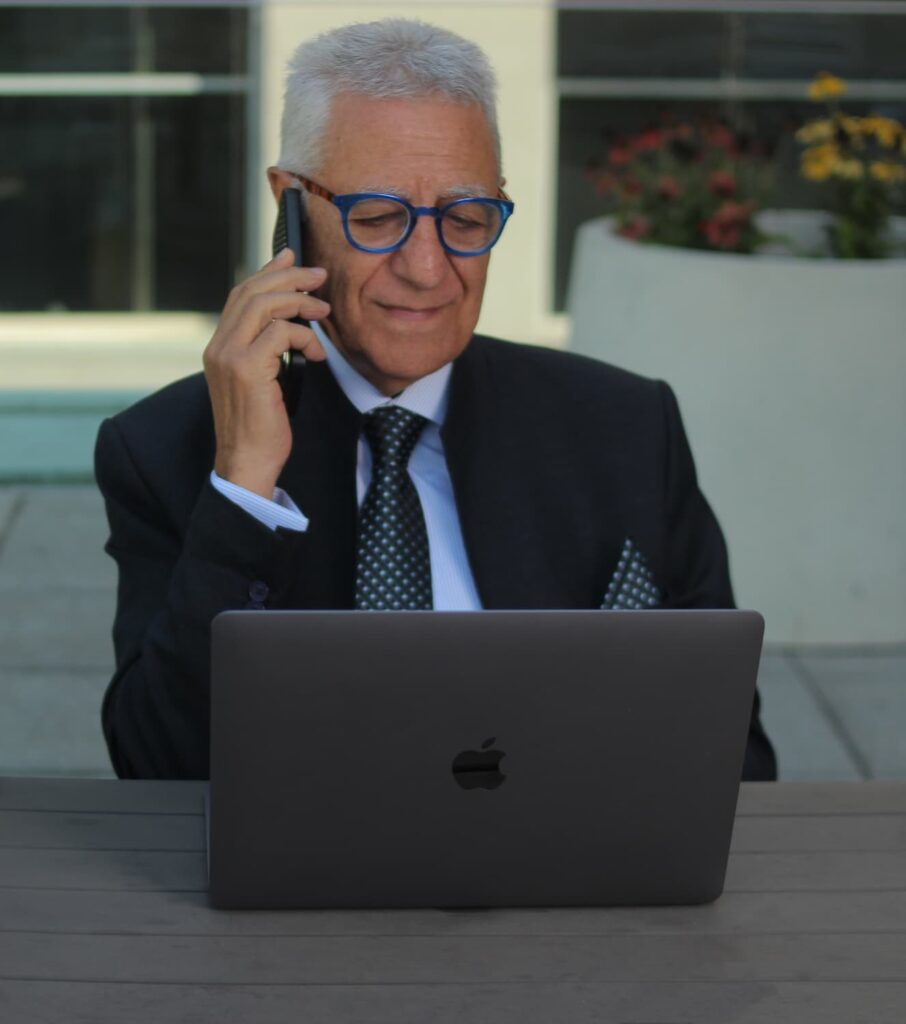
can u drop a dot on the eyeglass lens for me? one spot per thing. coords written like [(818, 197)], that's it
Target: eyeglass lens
[(381, 223)]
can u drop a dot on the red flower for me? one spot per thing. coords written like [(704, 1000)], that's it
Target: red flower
[(636, 228), (670, 188), (648, 141), (720, 136), (633, 187), (721, 236), (604, 184), (722, 183), (619, 156), (724, 229), (730, 213)]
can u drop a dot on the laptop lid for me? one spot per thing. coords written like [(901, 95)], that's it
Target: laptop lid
[(442, 759)]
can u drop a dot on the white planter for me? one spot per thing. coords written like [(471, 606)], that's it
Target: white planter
[(791, 376)]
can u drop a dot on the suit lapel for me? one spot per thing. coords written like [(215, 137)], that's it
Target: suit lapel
[(540, 515), (484, 463), (320, 476)]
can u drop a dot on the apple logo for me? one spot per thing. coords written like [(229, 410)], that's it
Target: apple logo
[(479, 769)]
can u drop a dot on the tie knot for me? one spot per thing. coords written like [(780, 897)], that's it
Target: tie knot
[(392, 432)]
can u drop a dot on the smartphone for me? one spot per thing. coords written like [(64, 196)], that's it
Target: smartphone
[(289, 231)]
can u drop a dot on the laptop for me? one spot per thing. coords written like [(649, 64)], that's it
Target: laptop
[(476, 759)]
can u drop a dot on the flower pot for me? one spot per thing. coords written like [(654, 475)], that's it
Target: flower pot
[(791, 376)]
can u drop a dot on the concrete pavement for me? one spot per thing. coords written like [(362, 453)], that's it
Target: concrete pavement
[(833, 714)]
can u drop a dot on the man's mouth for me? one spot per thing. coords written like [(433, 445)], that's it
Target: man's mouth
[(410, 314)]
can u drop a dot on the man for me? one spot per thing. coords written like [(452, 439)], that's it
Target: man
[(425, 467)]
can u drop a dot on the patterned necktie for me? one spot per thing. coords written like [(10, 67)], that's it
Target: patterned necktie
[(393, 568)]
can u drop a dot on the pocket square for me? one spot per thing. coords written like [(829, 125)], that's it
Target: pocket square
[(632, 584)]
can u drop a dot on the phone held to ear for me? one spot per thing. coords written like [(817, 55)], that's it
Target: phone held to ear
[(288, 232)]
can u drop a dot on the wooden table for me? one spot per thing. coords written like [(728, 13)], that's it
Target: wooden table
[(104, 917)]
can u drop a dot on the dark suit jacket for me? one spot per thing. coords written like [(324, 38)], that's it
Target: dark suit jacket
[(555, 460)]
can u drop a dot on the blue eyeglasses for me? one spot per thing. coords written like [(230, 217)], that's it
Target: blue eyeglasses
[(378, 223)]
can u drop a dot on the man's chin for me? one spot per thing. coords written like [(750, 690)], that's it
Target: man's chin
[(394, 363)]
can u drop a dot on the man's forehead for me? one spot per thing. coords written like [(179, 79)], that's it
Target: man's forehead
[(457, 191), (353, 113), (415, 148)]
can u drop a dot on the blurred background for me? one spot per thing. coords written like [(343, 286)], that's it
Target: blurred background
[(133, 144)]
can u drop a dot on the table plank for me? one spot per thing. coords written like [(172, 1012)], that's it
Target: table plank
[(162, 871), (525, 1003), (155, 831), (75, 830), (868, 832), (815, 872), (755, 798), (393, 959), (152, 913), (152, 871)]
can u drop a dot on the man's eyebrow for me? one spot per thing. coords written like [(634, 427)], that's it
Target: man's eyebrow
[(466, 192)]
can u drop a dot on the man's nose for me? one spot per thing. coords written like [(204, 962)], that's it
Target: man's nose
[(422, 261)]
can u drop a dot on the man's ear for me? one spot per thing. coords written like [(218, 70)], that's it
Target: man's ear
[(278, 180)]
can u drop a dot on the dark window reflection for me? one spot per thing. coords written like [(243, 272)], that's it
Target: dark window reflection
[(625, 45), (91, 39), (620, 44), (120, 203)]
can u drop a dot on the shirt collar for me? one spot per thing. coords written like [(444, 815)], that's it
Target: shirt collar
[(427, 396)]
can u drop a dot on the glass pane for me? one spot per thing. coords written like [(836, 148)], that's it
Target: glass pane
[(798, 45), (621, 45), (685, 44), (120, 203), (86, 40), (63, 39)]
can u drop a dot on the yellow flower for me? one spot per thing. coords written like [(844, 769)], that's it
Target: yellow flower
[(883, 170), (854, 129), (826, 87), (816, 131), (885, 129), (851, 169), (818, 163)]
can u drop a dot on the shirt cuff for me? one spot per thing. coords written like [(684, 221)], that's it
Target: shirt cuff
[(281, 511)]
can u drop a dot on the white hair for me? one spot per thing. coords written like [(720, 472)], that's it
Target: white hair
[(396, 58)]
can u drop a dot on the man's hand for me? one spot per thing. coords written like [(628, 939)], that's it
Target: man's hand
[(241, 363)]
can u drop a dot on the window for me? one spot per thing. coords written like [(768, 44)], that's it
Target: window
[(122, 172)]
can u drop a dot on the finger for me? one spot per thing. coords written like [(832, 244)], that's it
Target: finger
[(288, 279), (244, 326), (283, 258), (281, 335), (280, 260), (277, 275), (262, 309)]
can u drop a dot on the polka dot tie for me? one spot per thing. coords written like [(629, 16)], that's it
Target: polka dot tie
[(393, 568), (632, 585)]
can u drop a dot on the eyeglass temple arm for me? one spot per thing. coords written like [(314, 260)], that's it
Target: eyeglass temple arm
[(313, 186)]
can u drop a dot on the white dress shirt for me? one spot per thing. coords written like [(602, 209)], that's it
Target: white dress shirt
[(452, 584)]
